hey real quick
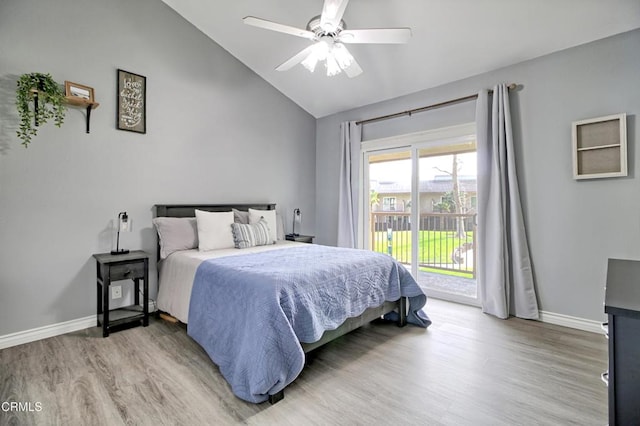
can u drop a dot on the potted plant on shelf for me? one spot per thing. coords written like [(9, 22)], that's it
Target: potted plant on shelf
[(47, 97)]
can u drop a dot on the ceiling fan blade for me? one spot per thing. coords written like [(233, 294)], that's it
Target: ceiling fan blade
[(274, 26), (295, 59), (376, 35), (353, 70), (332, 12)]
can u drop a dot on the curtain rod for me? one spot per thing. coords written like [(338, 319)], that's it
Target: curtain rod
[(426, 108)]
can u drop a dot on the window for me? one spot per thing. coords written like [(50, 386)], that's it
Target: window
[(388, 204)]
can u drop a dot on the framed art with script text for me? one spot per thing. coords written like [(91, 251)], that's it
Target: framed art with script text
[(132, 102)]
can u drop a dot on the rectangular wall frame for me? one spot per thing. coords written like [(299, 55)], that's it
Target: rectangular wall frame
[(600, 147)]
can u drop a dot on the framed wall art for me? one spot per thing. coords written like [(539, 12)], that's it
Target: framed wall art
[(600, 147), (132, 102), (76, 90)]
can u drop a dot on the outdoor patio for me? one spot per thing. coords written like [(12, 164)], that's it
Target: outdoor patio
[(447, 283)]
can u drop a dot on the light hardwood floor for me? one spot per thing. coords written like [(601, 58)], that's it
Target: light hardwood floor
[(466, 369)]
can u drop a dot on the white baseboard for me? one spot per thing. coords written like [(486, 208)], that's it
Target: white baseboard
[(52, 330), (571, 322)]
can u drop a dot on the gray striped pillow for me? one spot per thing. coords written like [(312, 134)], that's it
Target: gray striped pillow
[(251, 235)]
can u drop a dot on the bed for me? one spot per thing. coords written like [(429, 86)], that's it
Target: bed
[(255, 312)]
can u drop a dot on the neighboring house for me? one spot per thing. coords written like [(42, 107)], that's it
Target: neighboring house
[(396, 196)]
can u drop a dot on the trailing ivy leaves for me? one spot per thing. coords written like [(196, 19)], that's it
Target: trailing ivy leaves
[(50, 104)]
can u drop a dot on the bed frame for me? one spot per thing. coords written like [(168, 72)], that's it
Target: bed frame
[(188, 210)]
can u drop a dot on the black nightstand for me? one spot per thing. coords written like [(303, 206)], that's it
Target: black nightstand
[(131, 266), (300, 238)]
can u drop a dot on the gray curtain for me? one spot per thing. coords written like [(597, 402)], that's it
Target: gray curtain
[(505, 278), (350, 138)]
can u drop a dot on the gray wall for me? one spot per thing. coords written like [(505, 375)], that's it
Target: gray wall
[(573, 226), (216, 133)]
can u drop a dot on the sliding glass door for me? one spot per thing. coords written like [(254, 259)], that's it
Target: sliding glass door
[(447, 222), (388, 227), (420, 208)]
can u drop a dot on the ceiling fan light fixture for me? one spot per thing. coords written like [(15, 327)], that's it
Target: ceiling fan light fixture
[(319, 52), (310, 62), (332, 66), (335, 56), (324, 47), (342, 55), (328, 31)]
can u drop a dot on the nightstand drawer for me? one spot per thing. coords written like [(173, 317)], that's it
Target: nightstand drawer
[(127, 271)]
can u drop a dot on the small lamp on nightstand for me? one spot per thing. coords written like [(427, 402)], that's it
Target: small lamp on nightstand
[(123, 224), (297, 218)]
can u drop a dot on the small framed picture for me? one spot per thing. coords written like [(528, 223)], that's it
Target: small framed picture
[(78, 91), (132, 102)]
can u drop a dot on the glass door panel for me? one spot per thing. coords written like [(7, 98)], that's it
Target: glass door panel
[(447, 235), (389, 176)]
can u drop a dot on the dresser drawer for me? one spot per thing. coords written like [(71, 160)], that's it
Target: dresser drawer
[(127, 271)]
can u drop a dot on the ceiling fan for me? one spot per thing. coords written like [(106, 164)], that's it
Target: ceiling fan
[(329, 34)]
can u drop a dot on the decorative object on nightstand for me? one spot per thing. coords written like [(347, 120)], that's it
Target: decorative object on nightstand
[(294, 236), (131, 266), (123, 225), (297, 218)]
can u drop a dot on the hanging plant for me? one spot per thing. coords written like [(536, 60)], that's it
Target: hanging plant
[(47, 103)]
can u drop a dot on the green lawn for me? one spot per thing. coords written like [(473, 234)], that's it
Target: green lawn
[(433, 247), (447, 272)]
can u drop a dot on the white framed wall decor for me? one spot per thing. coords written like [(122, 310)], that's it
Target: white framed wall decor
[(600, 147)]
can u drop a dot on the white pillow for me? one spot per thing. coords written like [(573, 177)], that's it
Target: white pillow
[(270, 217), (214, 230)]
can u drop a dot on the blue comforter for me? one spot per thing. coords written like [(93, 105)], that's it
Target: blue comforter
[(249, 312)]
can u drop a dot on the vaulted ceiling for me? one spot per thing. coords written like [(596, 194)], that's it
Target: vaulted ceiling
[(451, 40)]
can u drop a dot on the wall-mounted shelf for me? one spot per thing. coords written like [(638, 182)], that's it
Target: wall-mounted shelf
[(74, 101), (85, 103)]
